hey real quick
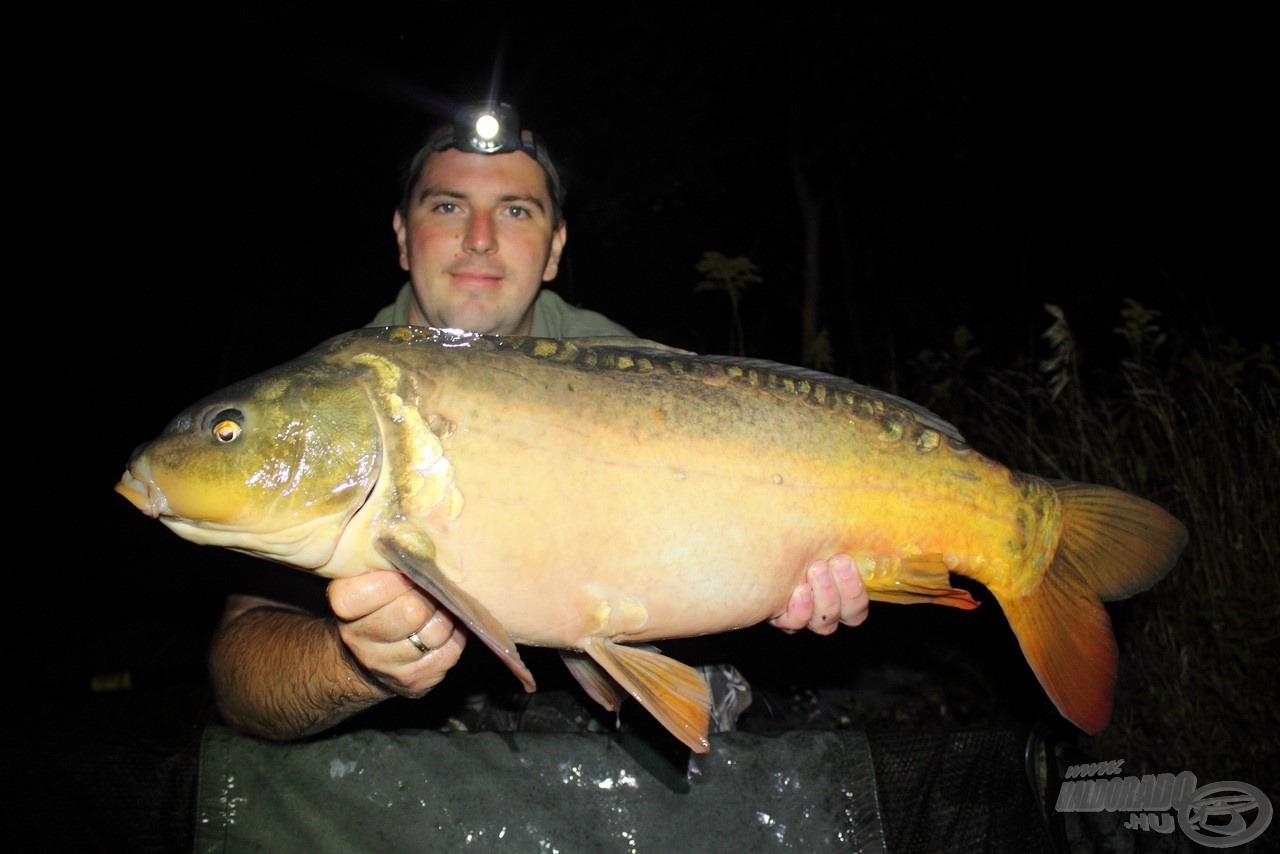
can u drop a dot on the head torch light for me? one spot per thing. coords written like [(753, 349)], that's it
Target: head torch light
[(489, 128), (492, 127)]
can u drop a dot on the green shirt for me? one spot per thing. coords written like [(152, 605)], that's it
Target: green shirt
[(552, 317)]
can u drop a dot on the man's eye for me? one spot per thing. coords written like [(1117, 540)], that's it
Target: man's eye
[(517, 211), (447, 207)]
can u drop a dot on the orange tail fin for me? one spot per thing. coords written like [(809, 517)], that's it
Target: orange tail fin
[(1113, 545)]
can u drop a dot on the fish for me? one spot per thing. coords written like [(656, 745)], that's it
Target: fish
[(599, 496)]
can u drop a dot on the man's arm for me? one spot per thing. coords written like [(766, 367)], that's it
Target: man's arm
[(281, 673)]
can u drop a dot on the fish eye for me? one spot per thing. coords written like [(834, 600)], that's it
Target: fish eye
[(227, 427)]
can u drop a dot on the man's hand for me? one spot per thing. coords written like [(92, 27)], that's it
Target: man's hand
[(377, 613), (833, 595)]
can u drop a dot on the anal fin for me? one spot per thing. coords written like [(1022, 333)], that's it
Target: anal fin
[(919, 579)]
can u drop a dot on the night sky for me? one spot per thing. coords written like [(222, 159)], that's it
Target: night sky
[(975, 168), (232, 180)]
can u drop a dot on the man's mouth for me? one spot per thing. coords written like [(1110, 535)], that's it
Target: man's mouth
[(476, 278)]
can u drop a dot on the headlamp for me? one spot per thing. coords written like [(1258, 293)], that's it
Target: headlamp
[(488, 128)]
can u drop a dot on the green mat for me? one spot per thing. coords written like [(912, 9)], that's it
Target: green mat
[(423, 790)]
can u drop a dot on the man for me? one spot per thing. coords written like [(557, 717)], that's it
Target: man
[(478, 234)]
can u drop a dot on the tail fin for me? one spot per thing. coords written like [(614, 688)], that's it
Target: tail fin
[(1120, 543), (1112, 545)]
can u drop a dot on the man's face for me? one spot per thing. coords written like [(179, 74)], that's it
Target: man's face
[(478, 241)]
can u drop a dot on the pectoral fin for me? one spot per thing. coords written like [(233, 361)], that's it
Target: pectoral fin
[(424, 572), (672, 692)]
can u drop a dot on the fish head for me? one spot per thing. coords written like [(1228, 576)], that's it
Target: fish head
[(275, 466)]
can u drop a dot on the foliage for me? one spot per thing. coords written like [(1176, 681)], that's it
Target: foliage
[(731, 275), (1193, 425), (821, 355)]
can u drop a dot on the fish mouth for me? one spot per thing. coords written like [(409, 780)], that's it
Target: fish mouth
[(143, 494)]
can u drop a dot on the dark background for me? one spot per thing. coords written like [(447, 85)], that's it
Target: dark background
[(222, 183)]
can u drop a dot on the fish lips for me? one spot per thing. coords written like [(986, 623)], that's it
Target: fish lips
[(142, 492)]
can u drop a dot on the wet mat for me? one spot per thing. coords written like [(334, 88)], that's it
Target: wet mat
[(423, 790)]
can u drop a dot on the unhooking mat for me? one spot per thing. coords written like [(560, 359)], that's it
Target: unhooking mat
[(423, 790)]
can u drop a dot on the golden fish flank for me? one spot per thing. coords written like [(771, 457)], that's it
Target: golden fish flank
[(596, 497)]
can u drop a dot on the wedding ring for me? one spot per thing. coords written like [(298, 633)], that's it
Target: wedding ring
[(419, 645)]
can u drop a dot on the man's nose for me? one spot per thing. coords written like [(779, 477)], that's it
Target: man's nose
[(480, 236)]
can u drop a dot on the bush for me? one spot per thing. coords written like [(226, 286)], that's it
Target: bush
[(1190, 423)]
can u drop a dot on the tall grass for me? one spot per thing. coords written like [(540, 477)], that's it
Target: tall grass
[(1192, 423)]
